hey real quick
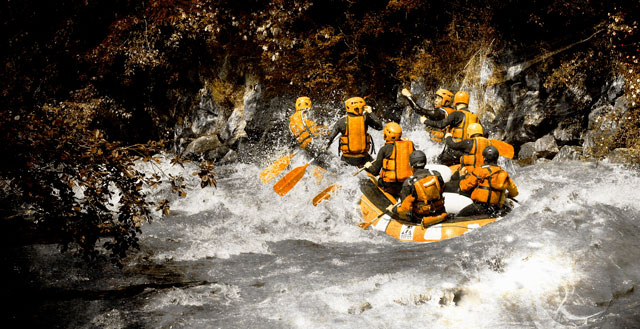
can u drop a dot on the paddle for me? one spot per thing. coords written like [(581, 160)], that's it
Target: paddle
[(269, 173), (286, 183), (504, 149), (325, 194), (367, 224)]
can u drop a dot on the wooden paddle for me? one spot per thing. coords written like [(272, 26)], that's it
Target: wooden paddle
[(325, 194), (286, 183), (271, 172), (504, 149)]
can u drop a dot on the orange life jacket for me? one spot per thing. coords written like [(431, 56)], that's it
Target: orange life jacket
[(429, 199), (396, 168), (460, 132), (303, 129), (492, 181), (474, 158), (437, 134), (355, 142)]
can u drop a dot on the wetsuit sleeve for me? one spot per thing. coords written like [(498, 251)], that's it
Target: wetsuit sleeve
[(340, 127), (468, 183), (435, 115), (451, 120), (384, 152), (373, 121), (464, 145)]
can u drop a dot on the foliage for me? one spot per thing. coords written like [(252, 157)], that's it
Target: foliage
[(72, 182)]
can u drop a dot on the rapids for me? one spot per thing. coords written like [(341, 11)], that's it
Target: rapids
[(240, 256)]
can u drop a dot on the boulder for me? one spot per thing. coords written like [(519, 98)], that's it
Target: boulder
[(569, 152), (209, 147), (546, 147)]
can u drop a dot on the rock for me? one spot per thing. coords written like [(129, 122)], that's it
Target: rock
[(253, 98), (567, 132), (203, 145), (231, 156), (625, 156), (569, 152), (546, 147), (527, 151), (543, 148)]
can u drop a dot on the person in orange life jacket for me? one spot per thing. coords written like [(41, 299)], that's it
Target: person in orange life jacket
[(471, 148), (307, 132), (457, 123), (421, 195), (441, 109), (489, 185), (393, 160), (355, 142)]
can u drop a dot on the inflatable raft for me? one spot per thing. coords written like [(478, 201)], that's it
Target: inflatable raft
[(374, 201)]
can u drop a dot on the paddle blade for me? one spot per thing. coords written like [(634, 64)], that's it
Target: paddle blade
[(505, 149), (325, 194), (271, 172), (284, 185)]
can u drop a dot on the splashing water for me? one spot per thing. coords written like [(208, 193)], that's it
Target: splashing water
[(241, 256)]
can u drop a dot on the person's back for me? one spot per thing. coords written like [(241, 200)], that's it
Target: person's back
[(355, 142), (421, 195), (473, 155), (392, 162), (488, 185)]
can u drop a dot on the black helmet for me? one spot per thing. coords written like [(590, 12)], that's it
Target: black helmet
[(490, 154), (417, 159)]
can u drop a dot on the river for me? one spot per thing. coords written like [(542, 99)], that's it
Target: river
[(240, 256)]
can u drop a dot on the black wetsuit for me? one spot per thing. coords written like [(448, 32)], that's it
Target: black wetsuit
[(464, 147), (408, 188), (385, 152), (340, 127), (448, 156)]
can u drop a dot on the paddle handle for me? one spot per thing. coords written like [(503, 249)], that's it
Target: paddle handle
[(359, 171)]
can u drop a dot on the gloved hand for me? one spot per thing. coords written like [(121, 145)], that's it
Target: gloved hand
[(423, 119), (367, 109), (390, 209), (463, 171), (368, 165)]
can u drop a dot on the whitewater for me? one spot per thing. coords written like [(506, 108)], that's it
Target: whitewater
[(240, 256)]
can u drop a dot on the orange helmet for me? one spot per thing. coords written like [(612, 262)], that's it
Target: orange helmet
[(446, 95), (461, 97), (355, 105), (392, 132), (475, 128), (303, 103)]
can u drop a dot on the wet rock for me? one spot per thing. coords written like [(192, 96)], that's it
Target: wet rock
[(624, 156), (231, 156), (569, 152), (543, 148), (546, 147), (567, 132), (527, 154), (360, 309), (209, 147)]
